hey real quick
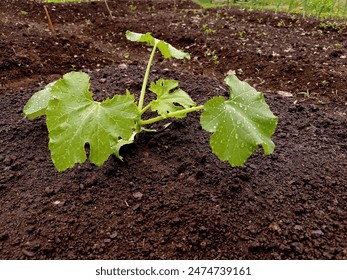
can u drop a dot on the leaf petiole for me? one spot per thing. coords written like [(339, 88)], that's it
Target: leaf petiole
[(145, 109), (171, 115), (145, 79)]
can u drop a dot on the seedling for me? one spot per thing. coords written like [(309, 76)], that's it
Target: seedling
[(207, 29), (238, 124), (240, 72), (332, 25), (212, 55), (242, 33), (281, 24), (23, 13), (132, 7), (260, 20), (325, 83)]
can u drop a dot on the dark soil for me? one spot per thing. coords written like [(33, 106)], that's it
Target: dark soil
[(172, 198)]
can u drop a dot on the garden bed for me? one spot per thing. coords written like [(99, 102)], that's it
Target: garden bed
[(171, 198)]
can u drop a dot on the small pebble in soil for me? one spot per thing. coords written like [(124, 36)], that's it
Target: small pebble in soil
[(275, 227), (113, 235), (298, 227), (136, 207), (203, 244), (317, 232), (49, 190), (284, 93), (344, 252), (175, 220), (59, 203), (298, 247), (28, 253), (137, 195), (122, 66), (7, 161)]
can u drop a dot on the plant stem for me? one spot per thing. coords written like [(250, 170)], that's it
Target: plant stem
[(145, 109), (145, 79), (171, 115)]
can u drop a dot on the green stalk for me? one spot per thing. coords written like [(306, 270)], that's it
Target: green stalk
[(321, 7), (333, 7), (145, 109), (145, 79), (278, 4), (305, 9), (290, 6), (171, 115)]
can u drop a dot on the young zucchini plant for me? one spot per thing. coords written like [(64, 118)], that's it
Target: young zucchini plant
[(238, 125)]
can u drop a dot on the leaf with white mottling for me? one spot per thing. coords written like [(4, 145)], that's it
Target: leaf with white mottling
[(239, 124)]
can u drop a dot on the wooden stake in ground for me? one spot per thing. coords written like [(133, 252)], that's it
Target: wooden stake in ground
[(109, 10), (49, 19)]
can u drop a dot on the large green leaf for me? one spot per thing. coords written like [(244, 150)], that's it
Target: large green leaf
[(75, 119), (166, 49), (37, 104), (239, 124), (167, 101)]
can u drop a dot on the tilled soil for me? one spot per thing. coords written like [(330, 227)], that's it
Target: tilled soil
[(171, 198)]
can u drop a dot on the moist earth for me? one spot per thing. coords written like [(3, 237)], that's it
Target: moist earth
[(170, 197)]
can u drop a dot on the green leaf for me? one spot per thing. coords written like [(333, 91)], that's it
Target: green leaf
[(239, 124), (37, 104), (141, 38), (74, 119), (117, 145), (167, 101), (166, 49)]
